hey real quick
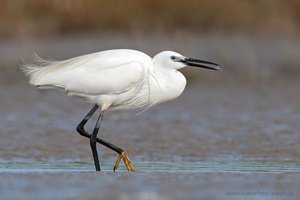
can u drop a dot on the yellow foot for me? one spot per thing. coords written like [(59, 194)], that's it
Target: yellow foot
[(126, 160)]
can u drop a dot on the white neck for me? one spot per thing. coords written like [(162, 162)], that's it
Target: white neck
[(166, 84)]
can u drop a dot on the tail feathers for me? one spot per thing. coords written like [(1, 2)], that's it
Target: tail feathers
[(32, 71)]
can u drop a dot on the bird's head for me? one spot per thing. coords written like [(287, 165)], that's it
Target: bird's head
[(173, 60)]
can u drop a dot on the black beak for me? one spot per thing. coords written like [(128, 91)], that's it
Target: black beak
[(201, 63)]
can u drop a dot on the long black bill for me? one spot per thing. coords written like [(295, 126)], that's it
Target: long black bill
[(202, 63)]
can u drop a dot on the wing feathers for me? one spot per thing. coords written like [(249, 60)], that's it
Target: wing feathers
[(107, 72)]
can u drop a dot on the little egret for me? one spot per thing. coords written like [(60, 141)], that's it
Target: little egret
[(119, 79)]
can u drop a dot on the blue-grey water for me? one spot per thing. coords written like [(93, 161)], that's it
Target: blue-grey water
[(231, 135), (152, 167)]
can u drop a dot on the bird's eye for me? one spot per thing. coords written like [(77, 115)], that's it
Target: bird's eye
[(173, 57)]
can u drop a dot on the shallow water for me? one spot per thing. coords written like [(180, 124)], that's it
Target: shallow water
[(226, 133), (211, 141), (221, 166)]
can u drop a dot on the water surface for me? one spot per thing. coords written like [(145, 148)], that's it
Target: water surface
[(225, 166)]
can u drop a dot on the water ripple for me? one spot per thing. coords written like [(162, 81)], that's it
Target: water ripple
[(228, 166)]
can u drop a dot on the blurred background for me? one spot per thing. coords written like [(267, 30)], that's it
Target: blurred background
[(258, 39), (245, 119), (35, 18)]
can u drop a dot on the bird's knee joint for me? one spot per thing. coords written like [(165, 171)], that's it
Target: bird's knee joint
[(81, 130)]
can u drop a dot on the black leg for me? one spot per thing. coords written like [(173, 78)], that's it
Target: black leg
[(93, 141), (80, 129), (110, 145)]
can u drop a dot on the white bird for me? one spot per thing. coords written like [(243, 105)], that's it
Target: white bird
[(118, 79)]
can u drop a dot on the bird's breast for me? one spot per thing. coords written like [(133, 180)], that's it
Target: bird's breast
[(166, 86)]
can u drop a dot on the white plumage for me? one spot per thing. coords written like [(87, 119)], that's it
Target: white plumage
[(113, 79)]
